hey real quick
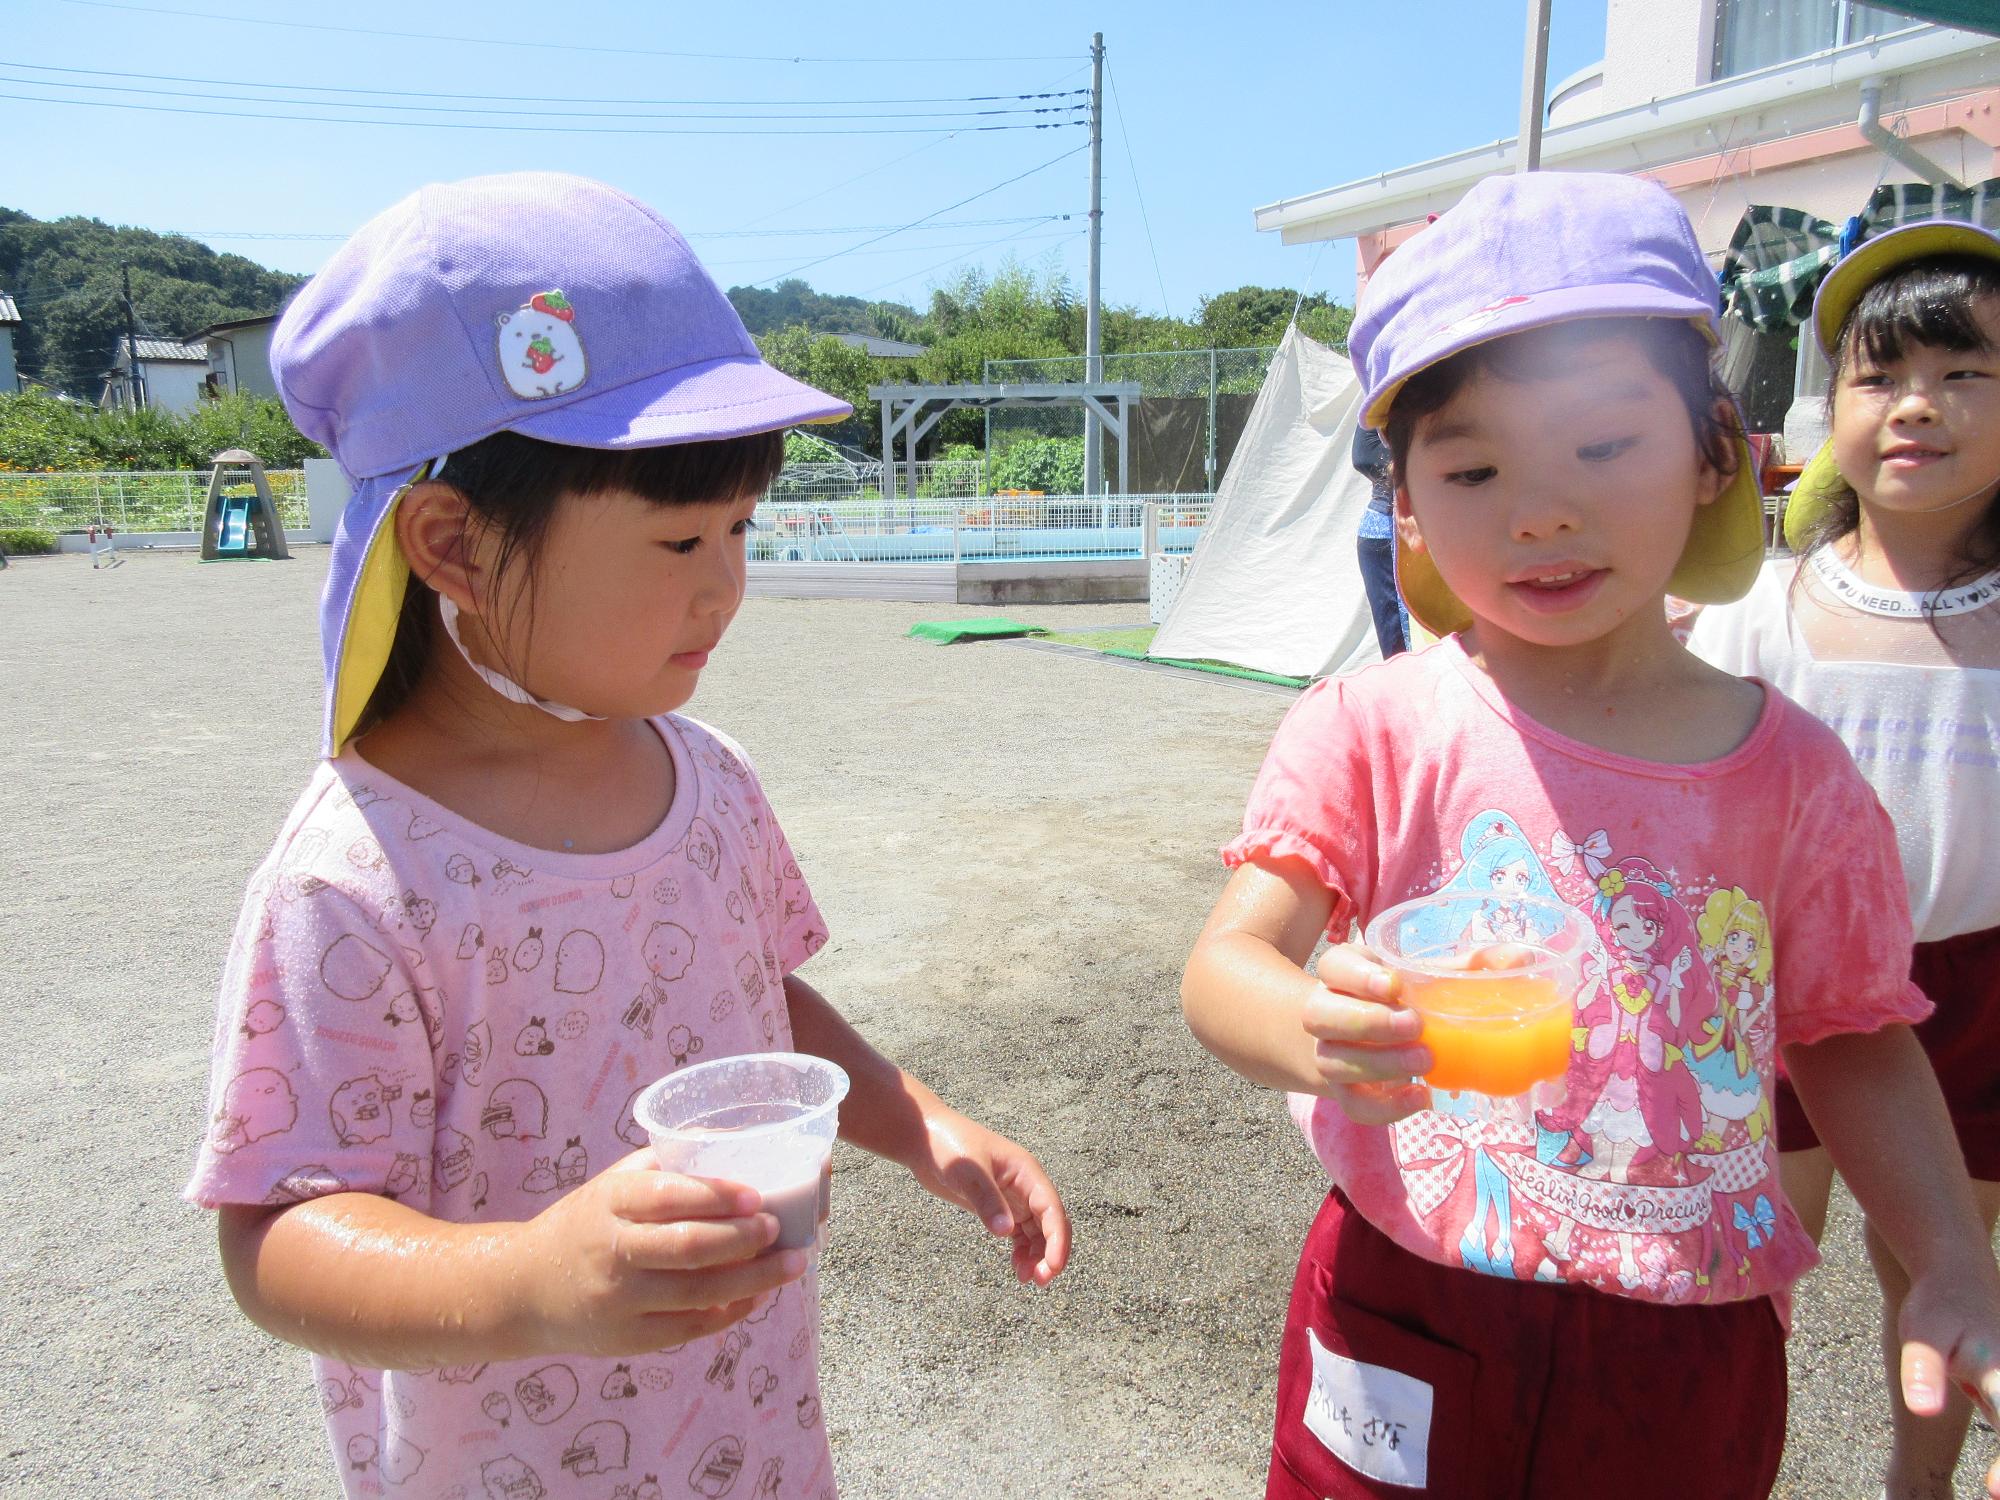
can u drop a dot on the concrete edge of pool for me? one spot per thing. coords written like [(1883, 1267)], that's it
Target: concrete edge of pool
[(1104, 580)]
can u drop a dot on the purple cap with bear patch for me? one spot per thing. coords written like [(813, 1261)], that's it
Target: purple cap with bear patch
[(533, 302)]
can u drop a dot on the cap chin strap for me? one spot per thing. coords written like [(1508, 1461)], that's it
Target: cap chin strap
[(505, 686)]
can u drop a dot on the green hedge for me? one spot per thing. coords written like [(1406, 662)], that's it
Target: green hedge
[(20, 541), (40, 432)]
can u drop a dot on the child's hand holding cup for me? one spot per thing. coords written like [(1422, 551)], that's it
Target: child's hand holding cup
[(1469, 991), (763, 1119)]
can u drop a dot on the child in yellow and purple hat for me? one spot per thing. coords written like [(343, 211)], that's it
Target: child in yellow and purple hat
[(1886, 624), (1583, 1296), (521, 886)]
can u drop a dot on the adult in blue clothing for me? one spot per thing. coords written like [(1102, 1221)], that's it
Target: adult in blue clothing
[(1375, 542)]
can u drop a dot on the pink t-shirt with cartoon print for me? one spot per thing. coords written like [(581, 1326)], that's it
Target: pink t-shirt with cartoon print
[(1739, 904), (417, 1008)]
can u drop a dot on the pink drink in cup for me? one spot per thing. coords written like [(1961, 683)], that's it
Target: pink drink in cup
[(764, 1119)]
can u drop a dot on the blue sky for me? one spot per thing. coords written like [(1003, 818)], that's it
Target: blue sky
[(1212, 109)]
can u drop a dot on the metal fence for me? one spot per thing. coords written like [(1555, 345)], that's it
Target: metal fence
[(162, 500), (953, 479), (996, 528), (1157, 372), (1200, 375)]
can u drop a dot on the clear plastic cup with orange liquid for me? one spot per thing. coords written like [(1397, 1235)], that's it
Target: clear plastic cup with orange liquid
[(1495, 981)]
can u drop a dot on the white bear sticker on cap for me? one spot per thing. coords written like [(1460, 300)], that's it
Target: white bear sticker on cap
[(540, 353)]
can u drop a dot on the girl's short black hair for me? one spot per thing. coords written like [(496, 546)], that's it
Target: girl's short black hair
[(1674, 346), (1932, 302), (513, 484)]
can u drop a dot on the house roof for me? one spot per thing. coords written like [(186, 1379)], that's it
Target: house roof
[(1769, 102), (867, 343), (237, 325), (161, 351), (9, 313)]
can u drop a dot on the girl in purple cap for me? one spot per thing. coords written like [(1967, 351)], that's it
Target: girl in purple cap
[(1887, 626), (1540, 363), (521, 887)]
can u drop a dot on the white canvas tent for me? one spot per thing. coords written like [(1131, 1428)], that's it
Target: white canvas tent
[(1274, 583)]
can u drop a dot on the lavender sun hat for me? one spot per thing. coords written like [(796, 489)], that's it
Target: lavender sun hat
[(533, 302), (1524, 251)]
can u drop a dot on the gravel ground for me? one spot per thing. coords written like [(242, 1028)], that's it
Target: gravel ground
[(1014, 848)]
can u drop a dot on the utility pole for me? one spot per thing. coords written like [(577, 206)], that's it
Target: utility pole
[(1534, 88), (134, 391), (1093, 347)]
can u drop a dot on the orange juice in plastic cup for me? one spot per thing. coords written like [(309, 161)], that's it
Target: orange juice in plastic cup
[(1495, 981)]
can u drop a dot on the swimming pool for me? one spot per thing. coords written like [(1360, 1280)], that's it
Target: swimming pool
[(969, 544)]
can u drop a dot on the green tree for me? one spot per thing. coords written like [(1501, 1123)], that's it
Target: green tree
[(837, 368), (66, 275), (792, 302), (1255, 317)]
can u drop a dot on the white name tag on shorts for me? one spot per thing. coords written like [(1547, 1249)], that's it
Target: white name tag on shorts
[(1377, 1421)]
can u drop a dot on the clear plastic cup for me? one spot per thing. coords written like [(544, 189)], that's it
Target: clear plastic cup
[(764, 1119), (1495, 981)]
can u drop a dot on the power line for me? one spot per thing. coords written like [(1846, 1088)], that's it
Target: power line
[(990, 244), (540, 45), (692, 234), (982, 193), (1165, 304), (540, 98), (849, 182), (529, 114), (222, 114), (734, 234), (920, 249)]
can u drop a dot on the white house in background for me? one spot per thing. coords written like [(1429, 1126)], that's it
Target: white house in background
[(10, 319), (239, 356), (170, 375), (1790, 103)]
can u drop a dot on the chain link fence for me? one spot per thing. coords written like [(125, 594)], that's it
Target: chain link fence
[(942, 479), (1192, 407), (163, 500)]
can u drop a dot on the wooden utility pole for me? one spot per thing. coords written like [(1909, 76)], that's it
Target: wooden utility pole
[(135, 392)]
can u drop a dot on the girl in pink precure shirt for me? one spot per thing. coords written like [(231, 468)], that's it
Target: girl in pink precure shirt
[(1885, 623), (521, 887), (1583, 1296)]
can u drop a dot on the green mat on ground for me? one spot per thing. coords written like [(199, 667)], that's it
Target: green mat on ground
[(1221, 669), (981, 628)]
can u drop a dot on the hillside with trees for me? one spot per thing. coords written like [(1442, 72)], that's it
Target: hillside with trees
[(1016, 312), (65, 275)]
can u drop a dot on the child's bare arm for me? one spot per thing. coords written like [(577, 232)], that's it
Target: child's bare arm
[(634, 1260), (1337, 1032), (891, 1113), (1874, 1101)]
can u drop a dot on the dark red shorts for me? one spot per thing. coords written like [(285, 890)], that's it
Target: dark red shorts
[(1961, 977), (1534, 1392)]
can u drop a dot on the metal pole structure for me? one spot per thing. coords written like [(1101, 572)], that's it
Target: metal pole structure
[(1093, 349), (134, 392), (888, 484), (1534, 88), (1209, 466)]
